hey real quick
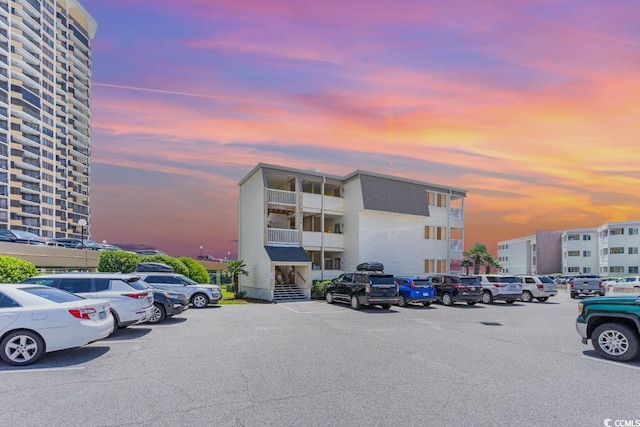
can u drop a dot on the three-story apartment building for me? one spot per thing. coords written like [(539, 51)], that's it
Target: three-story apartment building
[(45, 74), (296, 226)]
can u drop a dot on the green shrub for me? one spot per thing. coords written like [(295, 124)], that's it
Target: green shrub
[(319, 288), (118, 261), (197, 272), (239, 295), (14, 270), (178, 266)]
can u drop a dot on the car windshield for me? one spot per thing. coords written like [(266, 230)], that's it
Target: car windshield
[(137, 284), (380, 280), (468, 280), (423, 283), (52, 294), (545, 279)]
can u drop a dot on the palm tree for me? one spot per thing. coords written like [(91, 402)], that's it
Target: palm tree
[(491, 262), (466, 263), (476, 255), (234, 269)]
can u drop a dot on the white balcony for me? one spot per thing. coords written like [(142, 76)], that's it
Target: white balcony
[(456, 213), (281, 197), (314, 203), (315, 240), (282, 236), (456, 245)]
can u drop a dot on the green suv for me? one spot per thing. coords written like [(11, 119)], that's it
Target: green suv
[(612, 324)]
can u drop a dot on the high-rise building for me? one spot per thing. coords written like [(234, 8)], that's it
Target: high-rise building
[(45, 117)]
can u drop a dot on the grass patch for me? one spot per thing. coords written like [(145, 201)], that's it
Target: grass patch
[(228, 298)]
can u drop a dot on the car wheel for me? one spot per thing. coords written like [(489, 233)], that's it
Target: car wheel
[(510, 301), (329, 297), (385, 306), (526, 296), (402, 301), (426, 304), (116, 321), (573, 295), (158, 314), (615, 341), (487, 297), (355, 304), (543, 299), (471, 302), (447, 299), (22, 348), (199, 300)]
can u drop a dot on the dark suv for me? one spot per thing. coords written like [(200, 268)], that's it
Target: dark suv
[(451, 289), (370, 285)]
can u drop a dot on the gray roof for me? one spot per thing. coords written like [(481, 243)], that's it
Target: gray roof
[(389, 195), (287, 253)]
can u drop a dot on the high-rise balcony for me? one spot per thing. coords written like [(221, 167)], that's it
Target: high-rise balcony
[(283, 236)]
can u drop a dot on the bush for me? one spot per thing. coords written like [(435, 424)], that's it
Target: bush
[(197, 272), (118, 261), (239, 295), (14, 270), (178, 266), (319, 288)]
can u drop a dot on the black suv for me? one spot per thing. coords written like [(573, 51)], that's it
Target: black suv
[(370, 285), (450, 289)]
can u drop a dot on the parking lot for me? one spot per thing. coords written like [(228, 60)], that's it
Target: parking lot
[(312, 363)]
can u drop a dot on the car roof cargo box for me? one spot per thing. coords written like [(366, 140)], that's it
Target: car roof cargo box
[(370, 266), (155, 267)]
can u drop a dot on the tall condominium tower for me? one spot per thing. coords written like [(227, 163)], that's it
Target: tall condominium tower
[(45, 117)]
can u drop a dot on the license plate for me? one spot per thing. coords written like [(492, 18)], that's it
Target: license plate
[(102, 314), (472, 288), (149, 299), (426, 294)]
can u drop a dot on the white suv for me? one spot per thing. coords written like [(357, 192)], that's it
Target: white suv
[(198, 294), (131, 300), (500, 287), (538, 287)]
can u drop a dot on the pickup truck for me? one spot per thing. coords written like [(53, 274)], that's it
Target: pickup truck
[(586, 284), (369, 285), (612, 324)]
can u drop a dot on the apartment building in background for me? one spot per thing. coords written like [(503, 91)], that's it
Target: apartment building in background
[(609, 249), (45, 118), (296, 226)]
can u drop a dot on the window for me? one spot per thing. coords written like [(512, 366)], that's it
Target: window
[(633, 270), (633, 231), (586, 237), (436, 199), (586, 254), (76, 285), (616, 231), (586, 270), (633, 250), (435, 233), (616, 269), (435, 266), (573, 253), (618, 250), (53, 294), (573, 270), (6, 302), (573, 237)]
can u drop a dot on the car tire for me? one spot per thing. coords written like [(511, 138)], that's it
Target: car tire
[(615, 341), (116, 321), (526, 296), (355, 303), (402, 301), (329, 297), (426, 304), (199, 300), (385, 306), (447, 299), (543, 299), (21, 348), (471, 302), (158, 314), (487, 297)]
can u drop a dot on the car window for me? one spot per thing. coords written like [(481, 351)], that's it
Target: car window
[(53, 294), (138, 285), (401, 282), (154, 279), (436, 279), (173, 280), (529, 280), (469, 280), (6, 302), (379, 280), (545, 279), (422, 283), (102, 284), (509, 279), (492, 279), (40, 281), (75, 285)]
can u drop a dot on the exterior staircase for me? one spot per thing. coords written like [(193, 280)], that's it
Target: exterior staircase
[(284, 293)]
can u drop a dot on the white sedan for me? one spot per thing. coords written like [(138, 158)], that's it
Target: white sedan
[(37, 319)]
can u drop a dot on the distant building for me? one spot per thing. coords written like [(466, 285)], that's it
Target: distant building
[(610, 249), (296, 226), (45, 100)]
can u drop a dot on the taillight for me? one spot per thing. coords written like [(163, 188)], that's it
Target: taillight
[(540, 286), (500, 285), (137, 295), (600, 285), (82, 313), (367, 287), (571, 285)]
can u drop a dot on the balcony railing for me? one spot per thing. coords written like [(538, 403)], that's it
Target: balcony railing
[(456, 213), (282, 236), (280, 197)]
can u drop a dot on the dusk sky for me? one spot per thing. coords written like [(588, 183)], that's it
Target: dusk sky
[(532, 106)]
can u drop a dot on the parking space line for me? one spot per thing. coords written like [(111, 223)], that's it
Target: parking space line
[(16, 371), (117, 341), (310, 307), (611, 362)]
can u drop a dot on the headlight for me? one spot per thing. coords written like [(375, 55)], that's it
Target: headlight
[(170, 295), (580, 307)]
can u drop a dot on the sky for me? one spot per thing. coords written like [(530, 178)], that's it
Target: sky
[(532, 106)]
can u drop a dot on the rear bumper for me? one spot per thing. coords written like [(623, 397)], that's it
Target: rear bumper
[(508, 297), (365, 300), (468, 297)]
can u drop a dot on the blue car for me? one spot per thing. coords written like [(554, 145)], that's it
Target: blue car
[(415, 290)]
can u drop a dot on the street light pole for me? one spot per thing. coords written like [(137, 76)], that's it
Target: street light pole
[(201, 247), (82, 223)]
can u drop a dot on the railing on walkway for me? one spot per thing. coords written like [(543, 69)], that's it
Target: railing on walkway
[(282, 236), (281, 197)]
